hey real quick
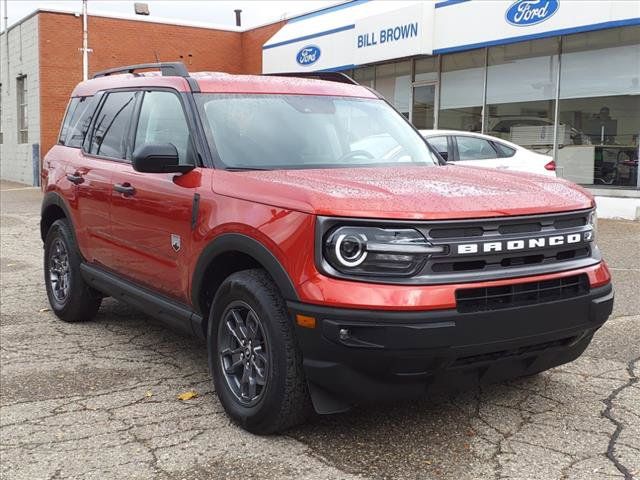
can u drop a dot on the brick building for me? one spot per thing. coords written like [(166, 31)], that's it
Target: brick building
[(43, 63)]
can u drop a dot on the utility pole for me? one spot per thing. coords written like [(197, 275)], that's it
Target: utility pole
[(85, 42)]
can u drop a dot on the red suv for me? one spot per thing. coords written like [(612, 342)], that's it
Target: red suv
[(307, 232)]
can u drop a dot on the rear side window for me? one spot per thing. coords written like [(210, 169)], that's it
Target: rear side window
[(503, 150), (111, 128), (472, 148), (76, 121), (71, 109)]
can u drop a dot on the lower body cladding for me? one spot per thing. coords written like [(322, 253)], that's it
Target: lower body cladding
[(360, 356)]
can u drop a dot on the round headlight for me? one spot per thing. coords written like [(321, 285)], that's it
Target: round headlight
[(376, 251), (351, 249)]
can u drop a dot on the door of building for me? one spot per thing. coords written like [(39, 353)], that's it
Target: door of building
[(423, 111)]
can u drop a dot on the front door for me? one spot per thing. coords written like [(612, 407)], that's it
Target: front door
[(151, 213), (423, 110)]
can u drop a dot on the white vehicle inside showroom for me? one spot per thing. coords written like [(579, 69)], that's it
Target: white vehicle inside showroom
[(557, 77), (477, 150)]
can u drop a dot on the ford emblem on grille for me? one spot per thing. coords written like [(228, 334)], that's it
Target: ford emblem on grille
[(530, 12), (308, 55)]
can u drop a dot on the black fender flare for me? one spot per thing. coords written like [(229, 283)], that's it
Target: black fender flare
[(235, 242), (50, 199)]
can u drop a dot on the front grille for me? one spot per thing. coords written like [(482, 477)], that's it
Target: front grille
[(484, 249), (502, 354), (452, 234), (521, 294)]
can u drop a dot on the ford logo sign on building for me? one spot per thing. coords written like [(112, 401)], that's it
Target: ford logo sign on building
[(530, 12), (308, 55)]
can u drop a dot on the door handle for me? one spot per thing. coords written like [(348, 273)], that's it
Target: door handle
[(75, 178), (124, 188)]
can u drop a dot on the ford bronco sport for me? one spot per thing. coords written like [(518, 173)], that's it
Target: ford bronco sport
[(306, 231)]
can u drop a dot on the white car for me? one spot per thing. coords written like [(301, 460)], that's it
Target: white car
[(475, 149)]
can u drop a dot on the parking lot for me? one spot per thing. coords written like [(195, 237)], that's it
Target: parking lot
[(99, 400)]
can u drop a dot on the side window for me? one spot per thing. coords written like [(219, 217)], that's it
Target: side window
[(111, 128), (76, 121), (503, 150), (472, 148), (71, 109), (440, 144), (162, 120)]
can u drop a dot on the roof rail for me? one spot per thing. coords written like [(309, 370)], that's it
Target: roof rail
[(328, 76), (168, 69)]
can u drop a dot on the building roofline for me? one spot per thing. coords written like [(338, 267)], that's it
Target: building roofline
[(163, 20), (130, 17)]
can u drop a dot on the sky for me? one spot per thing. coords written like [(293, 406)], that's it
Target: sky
[(220, 12)]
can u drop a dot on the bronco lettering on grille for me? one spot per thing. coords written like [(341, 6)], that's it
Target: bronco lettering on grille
[(526, 244)]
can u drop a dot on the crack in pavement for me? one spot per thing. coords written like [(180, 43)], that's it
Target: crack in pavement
[(607, 413)]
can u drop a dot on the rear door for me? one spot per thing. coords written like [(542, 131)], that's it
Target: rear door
[(477, 152), (151, 213), (103, 147), (89, 181)]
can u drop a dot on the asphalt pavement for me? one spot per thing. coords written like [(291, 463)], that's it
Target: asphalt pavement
[(100, 399)]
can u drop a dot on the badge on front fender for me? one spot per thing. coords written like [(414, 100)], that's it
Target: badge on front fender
[(176, 242)]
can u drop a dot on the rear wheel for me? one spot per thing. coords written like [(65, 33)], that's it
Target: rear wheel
[(71, 299), (253, 355)]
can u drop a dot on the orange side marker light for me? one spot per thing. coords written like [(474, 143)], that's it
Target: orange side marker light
[(305, 321)]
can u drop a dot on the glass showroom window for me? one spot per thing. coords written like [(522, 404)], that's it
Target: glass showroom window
[(393, 81), (521, 92), (600, 101), (461, 91), (23, 118), (365, 76), (424, 92)]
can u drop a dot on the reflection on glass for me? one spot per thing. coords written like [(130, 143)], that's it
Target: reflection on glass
[(365, 76), (426, 69), (393, 81), (423, 104), (601, 107), (521, 90), (461, 91)]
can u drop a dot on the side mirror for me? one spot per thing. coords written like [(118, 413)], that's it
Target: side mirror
[(444, 155), (158, 158)]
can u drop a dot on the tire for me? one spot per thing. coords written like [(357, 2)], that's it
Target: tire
[(249, 298), (71, 299)]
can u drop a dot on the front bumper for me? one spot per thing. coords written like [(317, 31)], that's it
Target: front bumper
[(389, 355)]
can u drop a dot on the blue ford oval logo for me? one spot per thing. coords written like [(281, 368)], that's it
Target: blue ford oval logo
[(308, 55), (529, 12)]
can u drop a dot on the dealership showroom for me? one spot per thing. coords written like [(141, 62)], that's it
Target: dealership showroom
[(339, 285), (567, 85)]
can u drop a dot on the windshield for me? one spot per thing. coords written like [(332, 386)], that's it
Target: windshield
[(304, 131)]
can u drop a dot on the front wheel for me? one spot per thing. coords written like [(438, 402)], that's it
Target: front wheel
[(253, 355), (71, 299)]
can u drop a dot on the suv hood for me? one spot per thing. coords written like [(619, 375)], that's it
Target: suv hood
[(445, 192)]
